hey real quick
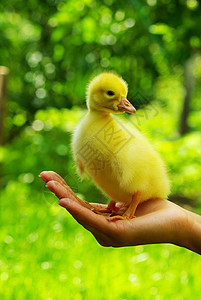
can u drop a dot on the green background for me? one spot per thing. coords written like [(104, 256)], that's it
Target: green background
[(52, 49)]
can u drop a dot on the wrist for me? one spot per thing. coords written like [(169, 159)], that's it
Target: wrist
[(189, 231)]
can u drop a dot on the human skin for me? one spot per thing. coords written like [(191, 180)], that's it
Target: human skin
[(156, 221)]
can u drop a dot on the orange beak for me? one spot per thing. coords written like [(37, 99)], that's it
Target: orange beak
[(125, 105)]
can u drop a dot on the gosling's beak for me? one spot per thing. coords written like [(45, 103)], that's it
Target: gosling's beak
[(125, 105)]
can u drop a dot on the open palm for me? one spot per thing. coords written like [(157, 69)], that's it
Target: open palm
[(155, 220)]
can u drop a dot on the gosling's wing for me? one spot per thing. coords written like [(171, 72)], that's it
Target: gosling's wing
[(80, 168)]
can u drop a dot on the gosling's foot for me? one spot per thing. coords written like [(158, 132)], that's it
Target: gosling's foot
[(118, 217), (109, 210)]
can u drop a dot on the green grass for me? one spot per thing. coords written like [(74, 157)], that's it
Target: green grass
[(45, 254)]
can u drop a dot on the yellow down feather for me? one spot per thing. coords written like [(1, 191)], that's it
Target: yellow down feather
[(120, 160)]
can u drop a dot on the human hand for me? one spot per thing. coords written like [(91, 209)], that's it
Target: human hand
[(157, 221)]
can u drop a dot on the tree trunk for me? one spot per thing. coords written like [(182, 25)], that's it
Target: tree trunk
[(188, 84), (4, 71)]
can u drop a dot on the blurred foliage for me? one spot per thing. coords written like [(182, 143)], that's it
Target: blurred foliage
[(52, 49)]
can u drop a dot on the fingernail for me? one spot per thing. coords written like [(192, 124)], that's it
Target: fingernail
[(49, 188)]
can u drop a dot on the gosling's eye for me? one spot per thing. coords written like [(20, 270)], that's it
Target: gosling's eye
[(110, 93)]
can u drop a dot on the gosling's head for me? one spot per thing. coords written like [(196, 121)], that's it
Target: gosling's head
[(107, 93)]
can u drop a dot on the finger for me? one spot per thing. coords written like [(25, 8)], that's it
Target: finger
[(88, 222), (59, 190), (50, 175), (99, 205), (53, 176), (62, 192), (76, 213), (95, 223)]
